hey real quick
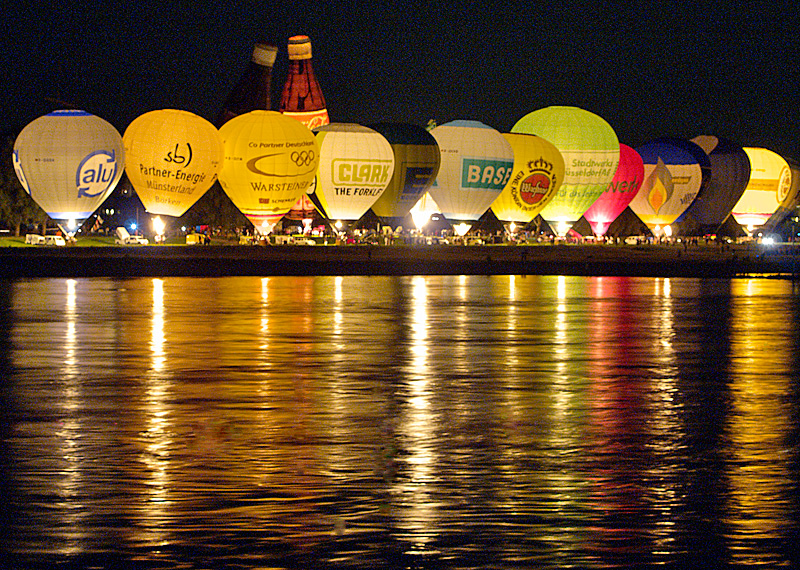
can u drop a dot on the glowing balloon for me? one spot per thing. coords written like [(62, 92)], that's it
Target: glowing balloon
[(788, 205), (770, 185), (621, 190), (675, 170), (270, 160), (591, 153), (356, 165), (69, 162), (172, 158), (535, 179), (476, 163), (416, 164), (422, 211), (730, 173)]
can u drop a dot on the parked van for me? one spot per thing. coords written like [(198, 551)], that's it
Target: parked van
[(34, 239), (54, 240), (124, 238)]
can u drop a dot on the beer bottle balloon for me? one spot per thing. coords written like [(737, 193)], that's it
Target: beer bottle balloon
[(302, 97), (252, 92)]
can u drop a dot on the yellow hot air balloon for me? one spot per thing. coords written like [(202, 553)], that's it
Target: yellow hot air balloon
[(270, 160), (356, 166), (536, 177), (69, 162), (172, 159), (769, 186)]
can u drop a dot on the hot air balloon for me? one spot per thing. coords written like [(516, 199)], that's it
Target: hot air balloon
[(621, 190), (270, 159), (356, 164), (730, 173), (476, 163), (535, 179), (422, 211), (416, 164), (69, 162), (172, 158), (769, 185), (675, 171), (591, 153), (788, 205)]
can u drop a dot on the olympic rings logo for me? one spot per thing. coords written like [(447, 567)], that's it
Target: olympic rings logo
[(303, 158)]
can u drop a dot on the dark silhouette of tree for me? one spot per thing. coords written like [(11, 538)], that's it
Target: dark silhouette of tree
[(16, 206)]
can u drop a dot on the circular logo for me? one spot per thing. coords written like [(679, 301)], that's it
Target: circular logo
[(784, 184), (534, 188), (303, 157)]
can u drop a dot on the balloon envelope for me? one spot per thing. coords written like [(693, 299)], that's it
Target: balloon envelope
[(270, 160), (769, 186), (621, 190), (416, 164), (591, 153), (675, 170), (356, 165), (69, 162), (476, 163), (172, 159), (536, 177), (730, 173)]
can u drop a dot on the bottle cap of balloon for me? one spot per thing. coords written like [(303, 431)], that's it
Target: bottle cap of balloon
[(299, 47), (264, 54)]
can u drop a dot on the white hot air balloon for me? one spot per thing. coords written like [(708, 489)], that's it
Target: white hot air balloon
[(355, 167), (476, 164), (69, 162)]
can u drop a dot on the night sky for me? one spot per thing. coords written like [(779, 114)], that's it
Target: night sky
[(650, 69)]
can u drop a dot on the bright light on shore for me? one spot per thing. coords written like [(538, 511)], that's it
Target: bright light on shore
[(462, 228), (158, 226)]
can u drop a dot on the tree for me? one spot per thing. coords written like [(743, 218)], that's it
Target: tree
[(215, 209), (16, 206)]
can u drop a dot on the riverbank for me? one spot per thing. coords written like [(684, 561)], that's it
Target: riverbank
[(164, 261)]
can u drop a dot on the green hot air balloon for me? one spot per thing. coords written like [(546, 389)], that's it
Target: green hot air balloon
[(591, 153)]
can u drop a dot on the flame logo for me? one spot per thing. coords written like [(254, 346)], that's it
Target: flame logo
[(660, 184)]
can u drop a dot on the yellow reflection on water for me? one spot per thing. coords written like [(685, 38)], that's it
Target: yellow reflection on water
[(157, 438), (665, 426), (70, 433), (757, 453), (418, 515)]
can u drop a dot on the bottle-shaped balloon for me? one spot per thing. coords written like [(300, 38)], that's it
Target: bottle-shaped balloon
[(253, 89), (302, 96), (69, 162)]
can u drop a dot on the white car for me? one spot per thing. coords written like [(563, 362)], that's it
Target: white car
[(34, 239), (54, 240), (124, 238)]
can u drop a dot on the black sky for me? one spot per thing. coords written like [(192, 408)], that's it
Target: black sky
[(650, 69)]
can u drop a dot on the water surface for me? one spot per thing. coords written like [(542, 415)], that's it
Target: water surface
[(400, 422)]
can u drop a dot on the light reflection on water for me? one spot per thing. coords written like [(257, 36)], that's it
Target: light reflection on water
[(444, 422)]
